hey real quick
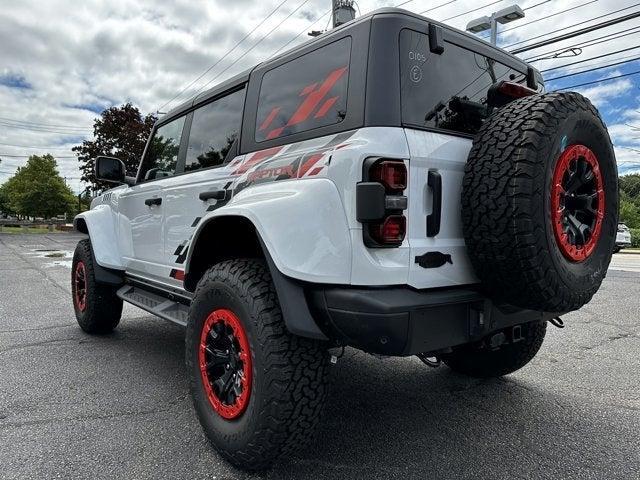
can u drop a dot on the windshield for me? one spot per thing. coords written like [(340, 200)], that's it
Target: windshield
[(447, 91)]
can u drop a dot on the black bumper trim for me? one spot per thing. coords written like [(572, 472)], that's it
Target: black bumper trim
[(405, 321)]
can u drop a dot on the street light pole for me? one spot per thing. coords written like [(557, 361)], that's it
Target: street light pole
[(506, 15)]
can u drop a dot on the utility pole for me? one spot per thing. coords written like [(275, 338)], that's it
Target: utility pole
[(343, 12)]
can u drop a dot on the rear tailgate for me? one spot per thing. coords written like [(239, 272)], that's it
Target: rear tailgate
[(445, 156)]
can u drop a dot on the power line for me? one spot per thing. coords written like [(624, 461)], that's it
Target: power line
[(39, 129), (575, 33), (635, 59), (470, 11), (436, 7), (601, 80), (520, 25), (306, 29), (587, 43), (589, 59), (224, 56), (27, 156), (252, 46), (39, 124), (37, 148)]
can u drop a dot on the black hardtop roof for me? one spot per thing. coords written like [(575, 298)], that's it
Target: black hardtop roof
[(243, 77)]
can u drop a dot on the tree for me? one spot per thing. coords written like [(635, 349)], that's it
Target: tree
[(38, 190), (120, 132)]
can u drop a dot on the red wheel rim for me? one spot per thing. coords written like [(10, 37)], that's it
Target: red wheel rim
[(225, 363), (80, 283), (577, 202)]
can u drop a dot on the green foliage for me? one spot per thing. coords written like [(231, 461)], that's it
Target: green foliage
[(37, 190), (4, 200), (635, 237), (120, 132), (630, 200)]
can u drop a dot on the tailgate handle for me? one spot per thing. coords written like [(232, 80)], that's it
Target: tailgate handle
[(434, 180)]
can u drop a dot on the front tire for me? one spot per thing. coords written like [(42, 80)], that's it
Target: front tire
[(257, 389), (479, 360), (97, 307)]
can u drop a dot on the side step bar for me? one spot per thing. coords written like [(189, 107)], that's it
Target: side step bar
[(171, 310)]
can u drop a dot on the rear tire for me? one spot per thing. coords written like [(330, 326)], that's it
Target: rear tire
[(97, 307), (273, 409), (478, 360)]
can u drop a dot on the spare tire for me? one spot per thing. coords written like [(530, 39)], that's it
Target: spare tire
[(540, 202)]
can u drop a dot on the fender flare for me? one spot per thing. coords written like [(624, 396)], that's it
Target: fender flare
[(315, 247), (99, 223), (294, 252)]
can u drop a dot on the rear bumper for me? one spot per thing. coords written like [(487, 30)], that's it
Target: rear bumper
[(404, 321)]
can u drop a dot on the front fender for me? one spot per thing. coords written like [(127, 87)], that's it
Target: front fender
[(101, 227), (302, 224)]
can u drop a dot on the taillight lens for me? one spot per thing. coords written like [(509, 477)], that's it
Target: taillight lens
[(515, 90), (391, 231), (392, 174)]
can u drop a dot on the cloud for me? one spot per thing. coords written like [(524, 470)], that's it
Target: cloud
[(69, 60)]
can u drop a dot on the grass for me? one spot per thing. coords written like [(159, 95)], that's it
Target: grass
[(35, 230)]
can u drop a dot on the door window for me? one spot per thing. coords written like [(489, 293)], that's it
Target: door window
[(214, 130), (162, 155)]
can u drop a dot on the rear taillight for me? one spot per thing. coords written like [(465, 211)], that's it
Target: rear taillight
[(390, 232), (391, 173), (380, 202), (504, 92)]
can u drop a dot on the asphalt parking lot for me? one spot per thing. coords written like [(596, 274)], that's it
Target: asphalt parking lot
[(76, 406)]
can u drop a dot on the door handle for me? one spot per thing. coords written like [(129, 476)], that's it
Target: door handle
[(153, 201), (213, 194), (434, 180)]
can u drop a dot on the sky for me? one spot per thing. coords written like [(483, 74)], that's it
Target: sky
[(63, 62)]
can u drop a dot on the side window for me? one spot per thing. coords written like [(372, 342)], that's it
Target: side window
[(214, 129), (162, 154), (305, 93)]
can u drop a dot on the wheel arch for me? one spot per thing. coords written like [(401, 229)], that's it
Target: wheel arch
[(209, 247)]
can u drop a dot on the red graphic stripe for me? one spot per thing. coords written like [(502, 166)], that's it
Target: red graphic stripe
[(257, 157), (325, 107), (275, 133), (316, 170), (308, 89), (311, 161), (314, 98), (267, 121)]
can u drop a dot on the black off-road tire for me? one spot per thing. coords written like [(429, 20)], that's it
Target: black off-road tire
[(101, 310), (289, 373), (478, 360), (506, 202)]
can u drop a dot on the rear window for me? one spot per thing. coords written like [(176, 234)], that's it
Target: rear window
[(305, 93), (446, 91)]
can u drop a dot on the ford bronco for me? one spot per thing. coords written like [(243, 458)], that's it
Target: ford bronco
[(394, 185)]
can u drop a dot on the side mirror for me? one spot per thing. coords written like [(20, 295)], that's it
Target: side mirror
[(112, 170)]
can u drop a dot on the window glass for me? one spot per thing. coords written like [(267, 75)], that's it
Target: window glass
[(447, 91), (214, 128), (162, 154), (305, 93)]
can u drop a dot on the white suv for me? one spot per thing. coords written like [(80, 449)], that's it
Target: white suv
[(393, 185)]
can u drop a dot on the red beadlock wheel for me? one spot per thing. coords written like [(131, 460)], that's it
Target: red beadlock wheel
[(577, 202), (80, 279), (225, 363)]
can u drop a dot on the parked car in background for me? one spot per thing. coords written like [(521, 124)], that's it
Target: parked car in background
[(623, 238)]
